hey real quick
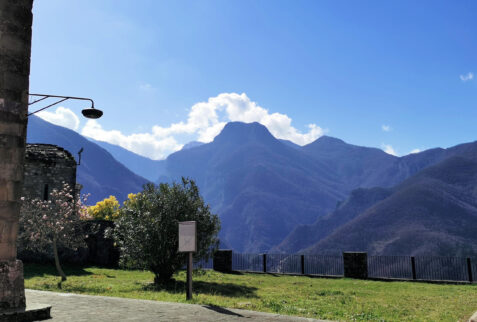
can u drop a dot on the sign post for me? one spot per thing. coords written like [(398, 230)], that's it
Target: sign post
[(188, 244)]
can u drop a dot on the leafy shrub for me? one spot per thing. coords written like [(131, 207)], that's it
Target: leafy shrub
[(147, 228)]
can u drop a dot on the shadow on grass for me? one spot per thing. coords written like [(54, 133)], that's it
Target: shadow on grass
[(33, 270), (233, 273), (212, 288)]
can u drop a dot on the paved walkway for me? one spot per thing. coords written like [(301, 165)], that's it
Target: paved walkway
[(79, 308)]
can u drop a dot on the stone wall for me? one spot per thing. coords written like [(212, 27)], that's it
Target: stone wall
[(47, 166)]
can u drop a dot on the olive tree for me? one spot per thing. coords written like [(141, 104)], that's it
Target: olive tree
[(146, 231)]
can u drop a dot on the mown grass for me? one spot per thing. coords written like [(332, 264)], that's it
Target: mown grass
[(320, 298)]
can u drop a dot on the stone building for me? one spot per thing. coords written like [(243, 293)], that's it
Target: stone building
[(47, 166)]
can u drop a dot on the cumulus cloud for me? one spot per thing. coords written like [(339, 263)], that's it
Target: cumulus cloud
[(415, 151), (467, 77), (204, 117), (386, 128), (204, 122), (62, 117), (145, 144), (389, 149)]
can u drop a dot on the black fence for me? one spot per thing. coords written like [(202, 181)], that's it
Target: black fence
[(444, 269), (288, 264), (399, 267), (323, 265), (248, 262), (422, 268)]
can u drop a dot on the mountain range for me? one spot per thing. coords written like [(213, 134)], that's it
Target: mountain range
[(432, 212), (142, 166), (99, 172), (325, 197)]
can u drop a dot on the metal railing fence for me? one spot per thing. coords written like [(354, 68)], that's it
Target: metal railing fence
[(423, 268), (390, 267)]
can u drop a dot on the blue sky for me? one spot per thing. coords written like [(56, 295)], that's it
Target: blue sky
[(387, 74)]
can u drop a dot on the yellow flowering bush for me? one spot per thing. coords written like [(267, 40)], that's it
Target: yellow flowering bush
[(107, 209)]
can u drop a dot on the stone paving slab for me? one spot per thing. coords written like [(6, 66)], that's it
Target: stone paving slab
[(79, 308)]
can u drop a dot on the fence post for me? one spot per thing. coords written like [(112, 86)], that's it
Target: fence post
[(302, 257), (413, 267), (223, 260), (469, 270), (264, 256), (355, 264)]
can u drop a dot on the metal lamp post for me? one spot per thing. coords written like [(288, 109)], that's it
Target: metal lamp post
[(91, 113)]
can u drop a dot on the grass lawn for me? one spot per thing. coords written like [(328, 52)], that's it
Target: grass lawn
[(334, 299)]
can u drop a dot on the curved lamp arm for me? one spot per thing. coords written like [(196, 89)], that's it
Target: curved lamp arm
[(91, 112)]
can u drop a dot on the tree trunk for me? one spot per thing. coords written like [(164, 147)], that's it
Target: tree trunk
[(15, 48), (57, 263)]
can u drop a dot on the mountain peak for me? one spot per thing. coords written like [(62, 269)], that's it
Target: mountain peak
[(328, 140), (326, 143), (239, 132), (192, 144)]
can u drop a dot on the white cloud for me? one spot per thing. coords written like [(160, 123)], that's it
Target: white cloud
[(389, 149), (467, 77), (415, 151), (386, 128), (208, 134), (62, 117), (204, 117), (204, 121), (145, 144)]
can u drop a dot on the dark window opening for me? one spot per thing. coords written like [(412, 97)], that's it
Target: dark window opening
[(45, 191)]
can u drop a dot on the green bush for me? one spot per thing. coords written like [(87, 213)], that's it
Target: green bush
[(146, 231)]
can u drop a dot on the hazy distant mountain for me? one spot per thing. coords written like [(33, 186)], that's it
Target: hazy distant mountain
[(264, 188), (362, 199), (304, 236), (359, 166), (99, 173), (260, 187), (145, 167), (431, 213), (153, 170)]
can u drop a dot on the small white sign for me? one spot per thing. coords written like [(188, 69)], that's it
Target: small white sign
[(187, 236)]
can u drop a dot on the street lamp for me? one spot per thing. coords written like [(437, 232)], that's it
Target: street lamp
[(91, 113)]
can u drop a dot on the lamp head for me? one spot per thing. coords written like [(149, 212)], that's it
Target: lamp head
[(92, 113)]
